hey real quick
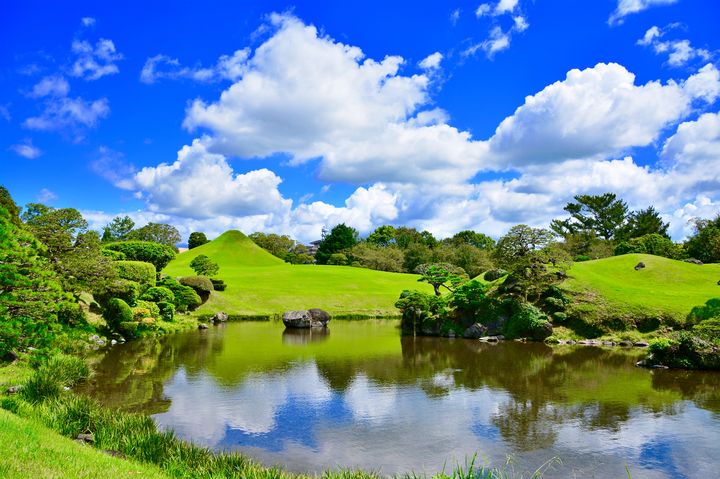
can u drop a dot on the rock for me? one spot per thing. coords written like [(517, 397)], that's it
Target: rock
[(639, 266), (693, 261), (625, 343), (220, 317), (500, 337), (94, 338), (304, 319), (542, 331), (451, 334), (476, 331), (113, 342), (13, 389), (10, 357), (608, 343), (90, 438), (659, 366), (640, 344), (203, 326)]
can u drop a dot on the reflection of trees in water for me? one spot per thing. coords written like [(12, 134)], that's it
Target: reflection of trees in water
[(702, 387)]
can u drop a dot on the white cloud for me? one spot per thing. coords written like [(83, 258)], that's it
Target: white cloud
[(628, 7), (92, 63), (54, 85), (455, 16), (596, 112), (483, 9), (498, 39), (650, 35), (46, 196), (26, 150), (679, 52), (228, 67), (431, 62), (5, 113), (521, 23), (71, 113), (110, 165), (311, 97), (505, 6), (87, 21)]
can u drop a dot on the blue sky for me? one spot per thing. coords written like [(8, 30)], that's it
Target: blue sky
[(288, 117)]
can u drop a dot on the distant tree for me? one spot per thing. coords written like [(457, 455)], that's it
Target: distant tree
[(405, 236), (442, 275), (472, 238), (372, 256), (196, 239), (382, 236), (84, 267), (118, 229), (520, 241), (704, 244), (472, 259), (338, 259), (601, 215), (341, 237), (9, 204), (281, 246), (158, 254), (415, 255), (641, 223), (57, 229), (204, 266), (157, 233)]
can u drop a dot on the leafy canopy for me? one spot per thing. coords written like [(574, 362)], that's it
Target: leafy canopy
[(204, 266), (598, 215)]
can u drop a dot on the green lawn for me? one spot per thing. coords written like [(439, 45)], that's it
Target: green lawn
[(664, 286), (259, 283)]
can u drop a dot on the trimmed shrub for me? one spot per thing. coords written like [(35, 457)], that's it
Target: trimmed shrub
[(581, 257), (152, 310), (200, 284), (123, 289), (527, 321), (494, 274), (70, 314), (117, 312), (554, 304), (157, 294), (129, 329), (113, 255), (167, 310), (138, 271), (158, 254), (218, 284), (559, 317), (338, 259), (185, 297), (651, 244), (711, 309), (685, 350), (709, 329)]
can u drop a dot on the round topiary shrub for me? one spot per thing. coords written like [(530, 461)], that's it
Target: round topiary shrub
[(494, 274), (145, 309), (554, 304), (116, 312), (158, 254), (113, 255), (158, 294), (167, 310), (559, 317), (138, 271), (123, 289), (200, 284), (218, 284), (129, 329), (527, 321)]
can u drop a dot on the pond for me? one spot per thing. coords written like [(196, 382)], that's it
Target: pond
[(362, 396)]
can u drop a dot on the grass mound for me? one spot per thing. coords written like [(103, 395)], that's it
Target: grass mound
[(258, 283)]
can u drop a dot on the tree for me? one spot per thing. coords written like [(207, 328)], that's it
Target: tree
[(84, 267), (57, 229), (520, 241), (478, 240), (157, 233), (442, 275), (341, 237), (641, 223), (704, 244), (277, 245), (601, 215), (204, 266), (415, 255), (118, 229), (9, 204), (472, 259), (158, 254), (372, 256), (382, 236), (197, 239)]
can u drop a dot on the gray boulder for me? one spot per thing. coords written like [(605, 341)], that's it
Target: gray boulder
[(693, 261), (639, 266), (220, 317), (476, 331), (314, 318)]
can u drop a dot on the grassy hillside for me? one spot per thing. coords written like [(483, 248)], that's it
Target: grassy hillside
[(260, 283), (663, 287)]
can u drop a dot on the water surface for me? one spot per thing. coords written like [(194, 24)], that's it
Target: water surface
[(360, 395)]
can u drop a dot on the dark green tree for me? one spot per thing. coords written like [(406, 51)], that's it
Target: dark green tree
[(9, 204), (157, 233), (382, 236), (84, 267), (277, 245), (601, 215), (442, 275), (57, 229), (520, 241), (204, 266), (472, 238), (118, 229), (196, 239), (158, 254), (341, 237), (704, 244), (641, 223)]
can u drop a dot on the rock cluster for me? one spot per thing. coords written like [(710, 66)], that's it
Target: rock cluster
[(306, 318)]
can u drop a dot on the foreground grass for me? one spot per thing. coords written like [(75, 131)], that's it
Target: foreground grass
[(664, 287), (261, 284)]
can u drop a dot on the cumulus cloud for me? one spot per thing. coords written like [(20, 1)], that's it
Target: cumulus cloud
[(455, 16), (69, 113), (628, 7), (46, 196), (87, 21), (596, 112), (55, 85), (431, 62), (94, 62), (498, 38), (679, 52), (26, 150), (228, 67), (111, 166)]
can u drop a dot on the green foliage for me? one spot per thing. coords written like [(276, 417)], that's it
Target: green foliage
[(527, 321), (146, 309), (139, 271), (113, 255), (70, 314), (204, 266), (494, 274), (441, 275), (218, 284), (48, 381), (519, 242), (185, 297), (57, 229), (197, 239), (12, 209), (710, 310), (124, 289), (472, 238), (369, 255), (84, 267), (281, 246), (117, 311), (129, 329), (157, 294), (558, 317), (157, 233), (705, 242), (685, 350), (201, 284), (709, 329), (470, 299), (157, 254), (554, 304), (581, 257), (382, 236), (118, 229), (599, 215), (167, 310), (651, 244), (415, 255), (341, 237), (337, 259), (421, 310), (642, 223)]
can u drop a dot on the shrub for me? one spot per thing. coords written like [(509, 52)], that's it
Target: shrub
[(138, 271), (710, 310), (70, 314), (129, 329), (218, 284), (200, 284), (116, 312), (651, 244), (157, 254), (709, 329), (157, 294), (527, 321), (123, 289), (581, 257), (494, 274), (337, 259), (559, 317), (185, 297), (685, 350), (421, 310), (554, 304), (204, 266), (113, 255), (145, 309), (167, 310)]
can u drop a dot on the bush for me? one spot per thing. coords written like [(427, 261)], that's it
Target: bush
[(185, 297), (527, 321), (129, 329), (116, 312), (581, 257), (158, 294), (113, 255), (200, 284), (167, 310), (709, 329), (494, 274), (218, 284), (138, 271), (685, 350), (157, 254), (338, 259), (70, 314), (152, 308), (421, 311), (123, 289), (554, 304), (559, 317), (651, 244), (710, 310)]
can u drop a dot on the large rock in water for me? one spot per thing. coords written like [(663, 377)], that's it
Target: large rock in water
[(313, 318), (476, 331)]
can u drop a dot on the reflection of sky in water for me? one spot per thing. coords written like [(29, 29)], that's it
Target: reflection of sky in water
[(293, 417)]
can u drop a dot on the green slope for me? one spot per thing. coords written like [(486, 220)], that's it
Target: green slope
[(259, 283), (663, 287)]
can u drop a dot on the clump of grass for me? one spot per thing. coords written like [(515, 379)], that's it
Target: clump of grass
[(471, 471), (49, 380)]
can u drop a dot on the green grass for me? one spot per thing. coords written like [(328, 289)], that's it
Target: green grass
[(258, 283), (665, 287)]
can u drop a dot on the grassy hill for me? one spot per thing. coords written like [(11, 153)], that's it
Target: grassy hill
[(664, 287), (259, 283)]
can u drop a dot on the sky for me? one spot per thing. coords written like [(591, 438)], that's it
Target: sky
[(288, 117)]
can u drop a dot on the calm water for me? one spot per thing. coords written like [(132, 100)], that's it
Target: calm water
[(363, 396)]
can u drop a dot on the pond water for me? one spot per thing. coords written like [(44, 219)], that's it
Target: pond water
[(360, 395)]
